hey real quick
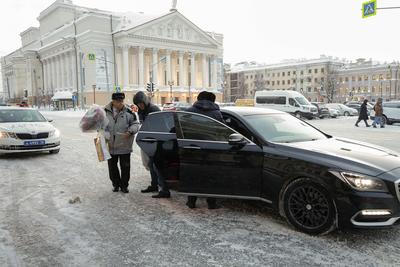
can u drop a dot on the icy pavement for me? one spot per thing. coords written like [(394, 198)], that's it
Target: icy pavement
[(40, 227)]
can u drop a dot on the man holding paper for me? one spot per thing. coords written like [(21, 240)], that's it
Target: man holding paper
[(120, 132)]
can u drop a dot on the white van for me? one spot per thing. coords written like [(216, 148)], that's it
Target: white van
[(289, 101)]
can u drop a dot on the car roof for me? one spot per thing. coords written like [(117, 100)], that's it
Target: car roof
[(246, 111)]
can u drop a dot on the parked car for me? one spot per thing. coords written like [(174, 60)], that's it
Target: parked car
[(26, 130), (391, 112), (343, 110), (317, 181), (289, 101), (176, 106), (323, 112), (334, 112)]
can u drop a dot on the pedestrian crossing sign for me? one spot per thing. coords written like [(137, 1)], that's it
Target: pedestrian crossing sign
[(369, 9), (92, 56)]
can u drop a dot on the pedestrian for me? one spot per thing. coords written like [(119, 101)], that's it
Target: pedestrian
[(145, 107), (363, 116), (120, 132), (378, 114), (205, 105)]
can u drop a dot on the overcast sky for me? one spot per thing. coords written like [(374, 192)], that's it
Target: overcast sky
[(260, 30)]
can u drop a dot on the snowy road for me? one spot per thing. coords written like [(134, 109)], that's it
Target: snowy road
[(39, 227)]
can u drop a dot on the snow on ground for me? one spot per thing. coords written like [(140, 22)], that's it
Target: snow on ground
[(39, 227)]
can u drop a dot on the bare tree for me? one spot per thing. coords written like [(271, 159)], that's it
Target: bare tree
[(259, 82), (331, 85)]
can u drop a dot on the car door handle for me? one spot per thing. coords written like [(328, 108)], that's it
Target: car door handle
[(192, 147), (148, 140)]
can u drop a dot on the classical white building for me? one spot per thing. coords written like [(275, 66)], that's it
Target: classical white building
[(87, 52)]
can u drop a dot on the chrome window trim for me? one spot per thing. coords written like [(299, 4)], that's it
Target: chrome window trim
[(210, 141), (225, 196), (149, 132), (388, 222)]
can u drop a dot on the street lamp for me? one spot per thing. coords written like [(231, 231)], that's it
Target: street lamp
[(171, 83)]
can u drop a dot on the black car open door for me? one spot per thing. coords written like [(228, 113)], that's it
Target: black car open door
[(157, 139), (210, 165)]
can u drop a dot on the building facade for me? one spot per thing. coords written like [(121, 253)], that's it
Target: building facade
[(85, 53), (325, 79)]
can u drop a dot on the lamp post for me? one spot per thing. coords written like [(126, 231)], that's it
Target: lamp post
[(171, 83)]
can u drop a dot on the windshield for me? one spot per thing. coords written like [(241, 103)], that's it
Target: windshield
[(283, 128), (302, 101), (20, 116)]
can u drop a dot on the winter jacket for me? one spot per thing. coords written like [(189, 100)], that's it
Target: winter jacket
[(207, 108), (124, 122), (141, 97), (363, 112), (378, 110)]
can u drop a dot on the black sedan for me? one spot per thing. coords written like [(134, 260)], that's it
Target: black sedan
[(318, 182)]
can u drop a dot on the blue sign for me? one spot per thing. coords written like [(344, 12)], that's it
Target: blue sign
[(369, 9), (74, 98)]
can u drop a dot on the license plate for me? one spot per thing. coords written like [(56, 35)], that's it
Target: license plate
[(34, 143)]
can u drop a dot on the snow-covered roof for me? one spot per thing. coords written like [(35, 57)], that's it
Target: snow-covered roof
[(65, 95)]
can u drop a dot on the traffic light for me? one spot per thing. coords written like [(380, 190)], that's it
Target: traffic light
[(150, 87)]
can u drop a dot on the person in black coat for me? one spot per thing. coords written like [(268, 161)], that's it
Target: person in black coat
[(363, 116), (205, 105), (144, 108)]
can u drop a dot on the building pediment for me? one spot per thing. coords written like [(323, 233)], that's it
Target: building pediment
[(175, 27)]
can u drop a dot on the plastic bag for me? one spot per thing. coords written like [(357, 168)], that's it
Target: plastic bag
[(101, 148), (95, 119)]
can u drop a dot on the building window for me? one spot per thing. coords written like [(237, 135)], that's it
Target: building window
[(247, 77), (262, 76), (273, 74), (294, 72), (322, 70), (365, 77), (322, 79), (346, 79), (309, 79), (288, 73), (315, 89), (310, 71), (301, 72), (316, 80), (278, 74), (273, 83), (301, 81), (283, 74), (177, 79), (359, 78), (309, 89), (277, 83), (283, 82), (341, 79), (315, 70), (288, 82)]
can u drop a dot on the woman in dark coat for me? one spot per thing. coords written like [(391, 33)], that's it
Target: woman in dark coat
[(363, 116)]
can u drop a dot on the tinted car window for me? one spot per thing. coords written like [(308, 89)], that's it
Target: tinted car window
[(198, 127), (159, 122)]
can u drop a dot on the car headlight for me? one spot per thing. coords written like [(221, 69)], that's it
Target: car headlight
[(4, 135), (363, 182), (55, 133)]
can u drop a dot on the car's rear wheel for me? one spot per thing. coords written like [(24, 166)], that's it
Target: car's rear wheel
[(54, 151), (386, 121), (346, 113), (309, 207)]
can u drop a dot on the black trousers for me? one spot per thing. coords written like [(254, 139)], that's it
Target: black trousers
[(366, 123), (120, 179)]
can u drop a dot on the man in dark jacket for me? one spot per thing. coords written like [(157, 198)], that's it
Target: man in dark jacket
[(205, 105), (363, 116), (145, 107), (120, 133)]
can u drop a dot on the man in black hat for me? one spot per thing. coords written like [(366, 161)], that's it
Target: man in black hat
[(120, 131)]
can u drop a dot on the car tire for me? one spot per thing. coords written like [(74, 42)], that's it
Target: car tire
[(297, 115), (309, 207), (54, 151), (346, 114), (386, 120)]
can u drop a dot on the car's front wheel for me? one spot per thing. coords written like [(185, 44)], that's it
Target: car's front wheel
[(309, 207), (346, 113)]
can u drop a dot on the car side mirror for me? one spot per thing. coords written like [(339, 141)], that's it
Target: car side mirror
[(237, 140)]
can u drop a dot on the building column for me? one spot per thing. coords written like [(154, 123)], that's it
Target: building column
[(181, 69), (45, 75), (57, 71), (73, 72), (53, 73), (141, 66), (68, 71), (205, 71), (214, 73), (192, 70), (63, 67), (155, 66), (168, 66), (125, 65)]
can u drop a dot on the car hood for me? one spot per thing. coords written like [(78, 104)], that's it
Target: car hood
[(27, 127), (347, 154)]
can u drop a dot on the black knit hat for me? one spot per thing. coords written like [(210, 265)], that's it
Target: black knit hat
[(118, 96)]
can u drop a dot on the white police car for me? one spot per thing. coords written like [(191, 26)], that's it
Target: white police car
[(26, 130)]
